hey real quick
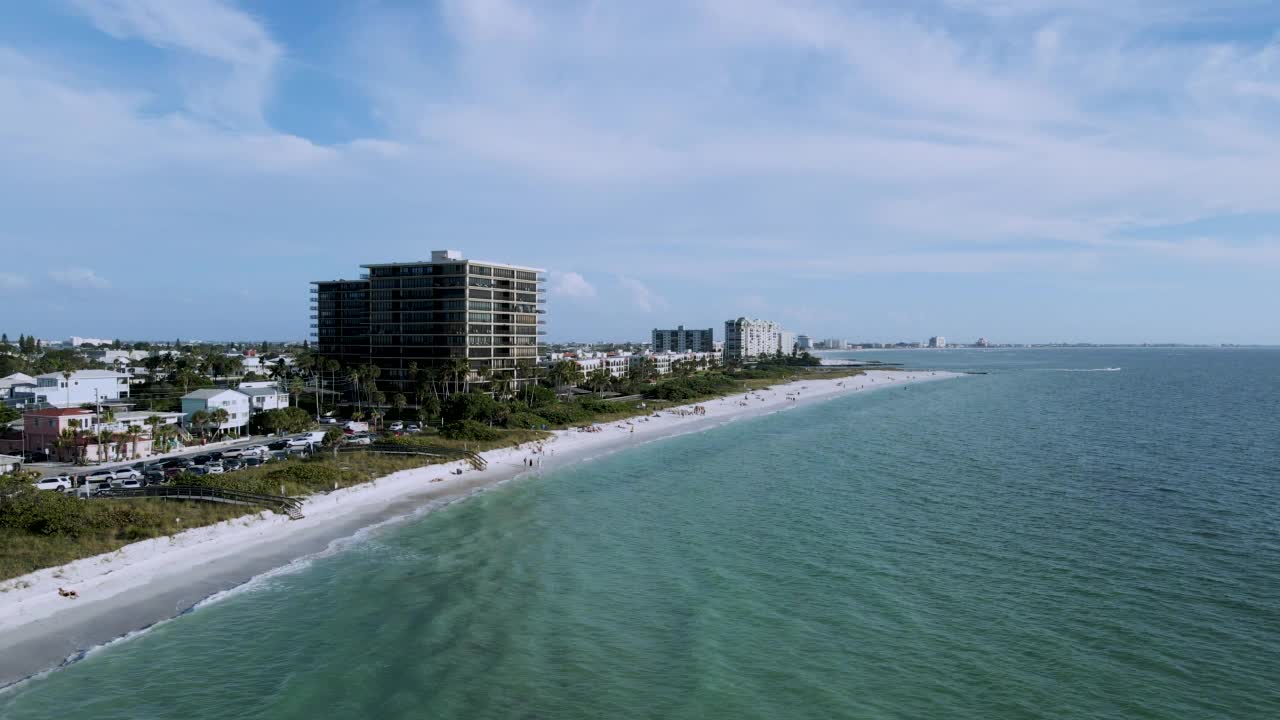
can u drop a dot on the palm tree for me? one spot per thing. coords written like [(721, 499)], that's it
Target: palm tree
[(399, 402), (218, 417), (133, 432), (200, 421), (460, 370), (153, 423), (599, 379)]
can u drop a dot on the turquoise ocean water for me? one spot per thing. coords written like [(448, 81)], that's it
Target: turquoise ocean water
[(1077, 534)]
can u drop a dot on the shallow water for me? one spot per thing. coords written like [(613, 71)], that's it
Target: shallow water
[(1031, 543)]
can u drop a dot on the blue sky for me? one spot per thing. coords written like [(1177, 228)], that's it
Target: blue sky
[(1039, 170)]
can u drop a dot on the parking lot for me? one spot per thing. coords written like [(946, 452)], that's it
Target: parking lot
[(204, 460)]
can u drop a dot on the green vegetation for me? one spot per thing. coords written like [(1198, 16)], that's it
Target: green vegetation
[(287, 420)]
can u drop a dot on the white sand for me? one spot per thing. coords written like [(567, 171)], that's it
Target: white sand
[(199, 559)]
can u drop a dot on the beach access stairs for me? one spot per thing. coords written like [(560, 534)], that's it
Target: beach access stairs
[(446, 454)]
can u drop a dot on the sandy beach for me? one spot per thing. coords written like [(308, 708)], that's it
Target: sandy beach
[(154, 580)]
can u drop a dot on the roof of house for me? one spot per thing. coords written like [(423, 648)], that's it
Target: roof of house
[(58, 412), (208, 393), (85, 374), (256, 391), (17, 379)]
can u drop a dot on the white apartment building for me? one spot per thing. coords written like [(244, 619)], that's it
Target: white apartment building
[(937, 341), (79, 388), (747, 338), (208, 399)]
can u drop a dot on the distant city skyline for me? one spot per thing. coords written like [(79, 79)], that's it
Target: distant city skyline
[(995, 170)]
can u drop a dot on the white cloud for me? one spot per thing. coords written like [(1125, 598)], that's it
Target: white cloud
[(642, 297), (573, 285), (9, 282), (80, 278), (243, 52)]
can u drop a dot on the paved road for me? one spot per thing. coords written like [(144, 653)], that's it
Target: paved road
[(47, 469)]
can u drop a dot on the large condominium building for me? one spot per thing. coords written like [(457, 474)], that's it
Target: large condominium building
[(681, 340), (433, 314), (937, 341), (746, 338)]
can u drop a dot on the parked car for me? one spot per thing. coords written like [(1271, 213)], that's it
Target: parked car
[(103, 475), (255, 451), (328, 421), (232, 453), (201, 459), (61, 483), (126, 484), (154, 477), (232, 464), (213, 468), (127, 474), (35, 456), (413, 427), (359, 440), (281, 454), (397, 425), (278, 444), (216, 454), (252, 462), (93, 485), (197, 470), (172, 471)]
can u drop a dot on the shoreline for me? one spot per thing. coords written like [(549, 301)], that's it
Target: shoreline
[(155, 580)]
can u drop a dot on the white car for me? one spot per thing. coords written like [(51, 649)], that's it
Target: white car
[(54, 482), (126, 484), (127, 473), (213, 468), (359, 440), (258, 451), (397, 425), (100, 476)]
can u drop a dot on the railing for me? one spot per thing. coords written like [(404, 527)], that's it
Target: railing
[(471, 457), (291, 506)]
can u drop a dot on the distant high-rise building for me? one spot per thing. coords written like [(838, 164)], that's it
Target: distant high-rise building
[(681, 340), (937, 341), (786, 342), (804, 342), (746, 338), (833, 344), (432, 313), (982, 342)]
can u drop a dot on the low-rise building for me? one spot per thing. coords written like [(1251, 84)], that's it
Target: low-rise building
[(209, 399), (17, 381), (82, 387), (264, 395)]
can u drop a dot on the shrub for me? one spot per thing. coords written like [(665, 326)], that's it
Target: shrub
[(525, 420), (469, 406), (470, 430)]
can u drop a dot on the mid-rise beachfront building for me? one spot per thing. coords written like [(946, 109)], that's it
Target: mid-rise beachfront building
[(937, 341), (681, 340), (618, 364), (433, 313), (747, 338), (804, 342)]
